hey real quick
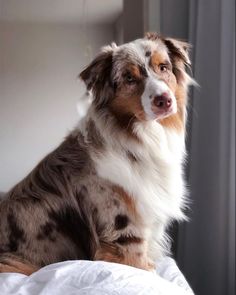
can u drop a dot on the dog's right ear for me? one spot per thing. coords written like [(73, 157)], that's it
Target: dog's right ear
[(98, 71)]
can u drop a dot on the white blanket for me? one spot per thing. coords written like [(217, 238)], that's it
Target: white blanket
[(97, 278)]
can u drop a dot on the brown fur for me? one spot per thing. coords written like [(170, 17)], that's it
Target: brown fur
[(12, 263), (128, 200), (126, 105), (176, 121), (128, 255), (95, 77)]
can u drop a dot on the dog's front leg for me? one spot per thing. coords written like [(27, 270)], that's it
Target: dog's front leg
[(126, 250), (13, 263)]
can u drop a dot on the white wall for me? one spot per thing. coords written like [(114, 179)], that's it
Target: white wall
[(39, 64)]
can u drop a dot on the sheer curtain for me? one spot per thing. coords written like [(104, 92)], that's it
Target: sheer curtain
[(206, 245)]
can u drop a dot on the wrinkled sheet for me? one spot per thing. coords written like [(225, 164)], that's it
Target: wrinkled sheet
[(97, 278)]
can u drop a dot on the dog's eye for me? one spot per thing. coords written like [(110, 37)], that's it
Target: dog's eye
[(163, 67), (130, 79)]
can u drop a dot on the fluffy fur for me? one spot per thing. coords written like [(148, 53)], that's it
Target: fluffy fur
[(110, 190)]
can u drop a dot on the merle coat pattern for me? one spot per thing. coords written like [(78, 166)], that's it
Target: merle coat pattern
[(111, 188)]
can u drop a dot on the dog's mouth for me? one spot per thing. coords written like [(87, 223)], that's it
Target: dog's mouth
[(159, 115)]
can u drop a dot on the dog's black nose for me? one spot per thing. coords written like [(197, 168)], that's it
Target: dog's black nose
[(162, 101)]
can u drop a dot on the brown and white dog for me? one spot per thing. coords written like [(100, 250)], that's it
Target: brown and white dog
[(110, 190)]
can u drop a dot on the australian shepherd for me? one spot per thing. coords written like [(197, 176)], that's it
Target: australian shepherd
[(113, 186)]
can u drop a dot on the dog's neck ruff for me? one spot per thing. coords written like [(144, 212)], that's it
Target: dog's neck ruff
[(148, 169)]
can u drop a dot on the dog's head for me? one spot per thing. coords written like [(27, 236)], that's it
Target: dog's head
[(142, 80)]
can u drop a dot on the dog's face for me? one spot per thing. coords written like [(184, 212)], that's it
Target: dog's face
[(141, 80)]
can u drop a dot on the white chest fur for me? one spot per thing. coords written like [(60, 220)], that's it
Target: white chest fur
[(155, 179)]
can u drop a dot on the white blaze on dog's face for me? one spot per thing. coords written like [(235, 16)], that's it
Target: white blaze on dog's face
[(141, 80)]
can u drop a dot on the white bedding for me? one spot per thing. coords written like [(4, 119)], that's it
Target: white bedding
[(97, 278)]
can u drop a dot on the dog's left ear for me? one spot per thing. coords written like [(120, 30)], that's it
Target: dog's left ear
[(179, 55), (96, 73), (179, 50)]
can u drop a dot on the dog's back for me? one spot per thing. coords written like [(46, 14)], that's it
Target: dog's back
[(2, 195), (42, 218)]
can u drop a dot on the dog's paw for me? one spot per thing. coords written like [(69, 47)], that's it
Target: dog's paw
[(151, 266)]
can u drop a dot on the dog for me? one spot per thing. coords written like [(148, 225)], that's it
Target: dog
[(113, 186)]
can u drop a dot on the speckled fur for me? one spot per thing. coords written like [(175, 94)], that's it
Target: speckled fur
[(112, 187)]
